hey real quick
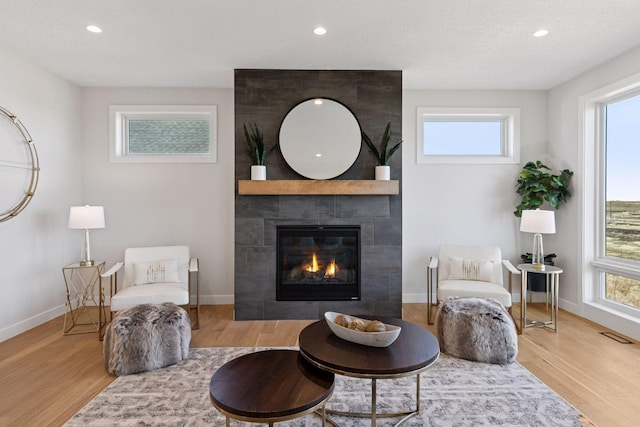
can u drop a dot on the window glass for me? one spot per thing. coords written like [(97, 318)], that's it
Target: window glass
[(610, 124), (163, 133), (619, 230), (468, 135), (622, 207), (168, 136), (622, 290), (462, 138)]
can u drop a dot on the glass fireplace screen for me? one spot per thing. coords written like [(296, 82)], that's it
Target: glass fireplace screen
[(318, 263)]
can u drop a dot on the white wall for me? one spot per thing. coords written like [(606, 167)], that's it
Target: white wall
[(163, 204), (36, 244), (463, 204), (565, 144), (152, 204)]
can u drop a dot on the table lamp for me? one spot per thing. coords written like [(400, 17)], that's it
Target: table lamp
[(538, 222), (86, 218)]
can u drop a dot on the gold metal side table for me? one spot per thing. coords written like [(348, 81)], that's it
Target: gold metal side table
[(81, 282), (552, 282)]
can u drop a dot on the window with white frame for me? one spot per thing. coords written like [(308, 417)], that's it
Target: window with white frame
[(617, 262), (163, 133), (468, 135)]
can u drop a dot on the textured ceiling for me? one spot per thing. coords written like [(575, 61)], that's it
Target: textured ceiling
[(438, 44)]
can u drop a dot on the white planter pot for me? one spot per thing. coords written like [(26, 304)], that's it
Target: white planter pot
[(258, 172), (383, 173)]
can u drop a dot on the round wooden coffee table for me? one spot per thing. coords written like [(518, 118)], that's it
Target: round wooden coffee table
[(270, 386), (415, 350)]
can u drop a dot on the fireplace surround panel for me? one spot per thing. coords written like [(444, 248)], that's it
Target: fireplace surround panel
[(265, 97)]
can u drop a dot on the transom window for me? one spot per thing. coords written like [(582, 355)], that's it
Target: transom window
[(171, 134), (468, 135)]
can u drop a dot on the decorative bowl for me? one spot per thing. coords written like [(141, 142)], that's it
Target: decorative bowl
[(372, 339)]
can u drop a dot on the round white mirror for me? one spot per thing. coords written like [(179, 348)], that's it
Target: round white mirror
[(320, 138)]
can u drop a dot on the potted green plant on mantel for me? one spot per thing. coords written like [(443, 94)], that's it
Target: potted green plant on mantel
[(537, 185), (383, 154), (257, 151)]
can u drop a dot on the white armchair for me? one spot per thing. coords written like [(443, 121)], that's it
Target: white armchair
[(156, 275), (469, 271)]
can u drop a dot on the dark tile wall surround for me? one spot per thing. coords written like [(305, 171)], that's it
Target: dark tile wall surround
[(265, 97)]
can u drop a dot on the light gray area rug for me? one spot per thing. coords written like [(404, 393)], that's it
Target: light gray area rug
[(453, 392)]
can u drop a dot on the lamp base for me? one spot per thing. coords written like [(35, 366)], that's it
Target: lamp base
[(87, 263), (537, 257), (538, 267)]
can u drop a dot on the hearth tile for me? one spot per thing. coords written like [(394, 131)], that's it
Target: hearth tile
[(249, 231), (278, 310), (381, 257), (257, 206), (307, 207), (389, 309), (249, 310), (362, 207), (362, 307), (387, 231)]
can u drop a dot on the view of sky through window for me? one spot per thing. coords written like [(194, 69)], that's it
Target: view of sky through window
[(623, 150), (462, 138)]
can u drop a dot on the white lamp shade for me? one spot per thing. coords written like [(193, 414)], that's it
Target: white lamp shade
[(538, 221), (86, 217)]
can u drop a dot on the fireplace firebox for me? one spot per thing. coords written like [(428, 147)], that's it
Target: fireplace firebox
[(318, 263)]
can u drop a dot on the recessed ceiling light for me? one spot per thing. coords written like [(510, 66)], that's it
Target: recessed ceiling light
[(541, 33), (320, 31), (93, 28), (317, 101)]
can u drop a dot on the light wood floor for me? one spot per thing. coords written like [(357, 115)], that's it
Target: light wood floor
[(45, 377)]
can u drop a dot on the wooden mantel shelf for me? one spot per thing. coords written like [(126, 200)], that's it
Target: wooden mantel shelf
[(318, 187)]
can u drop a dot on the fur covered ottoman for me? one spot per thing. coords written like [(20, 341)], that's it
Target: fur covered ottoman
[(478, 329), (146, 337)]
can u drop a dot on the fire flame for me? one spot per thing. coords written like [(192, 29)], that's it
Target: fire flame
[(331, 270), (313, 267)]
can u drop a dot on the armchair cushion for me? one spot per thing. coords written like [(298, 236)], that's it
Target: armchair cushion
[(483, 253), (469, 269), (473, 288), (156, 293), (162, 271), (153, 254)]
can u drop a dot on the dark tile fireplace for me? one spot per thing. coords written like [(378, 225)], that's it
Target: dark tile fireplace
[(265, 97), (318, 263)]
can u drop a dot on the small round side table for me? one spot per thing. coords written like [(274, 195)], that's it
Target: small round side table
[(270, 386), (552, 281)]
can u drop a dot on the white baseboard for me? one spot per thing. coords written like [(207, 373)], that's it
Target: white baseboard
[(569, 306), (24, 325), (614, 320), (414, 298)]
